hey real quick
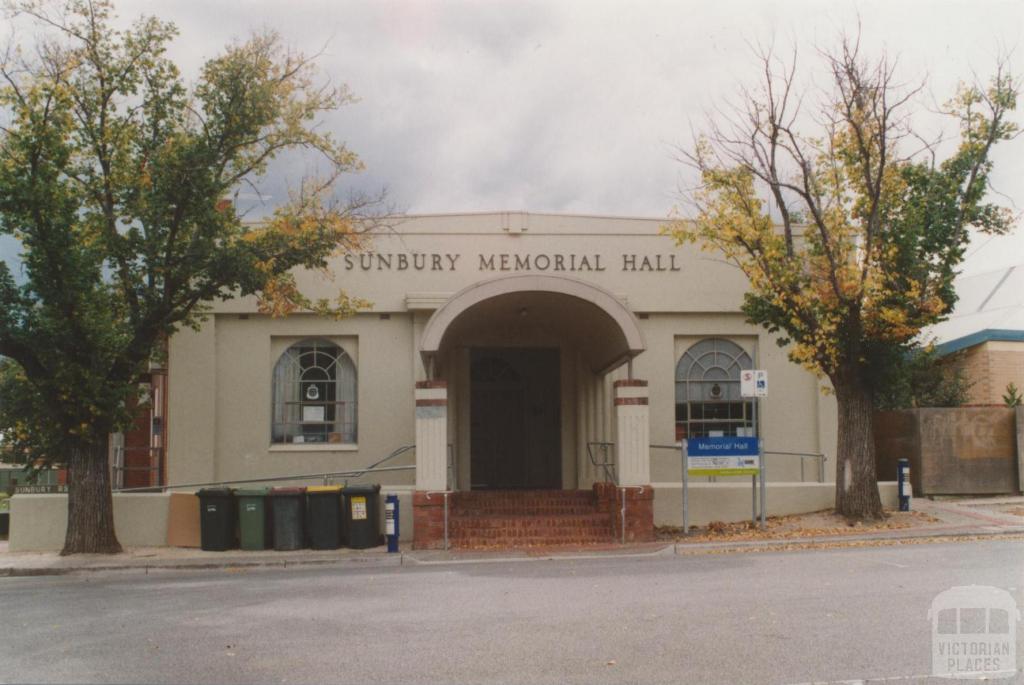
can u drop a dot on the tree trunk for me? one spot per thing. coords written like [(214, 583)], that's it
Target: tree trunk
[(856, 480), (90, 503)]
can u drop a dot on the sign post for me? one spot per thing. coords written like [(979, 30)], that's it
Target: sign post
[(738, 455), (754, 383)]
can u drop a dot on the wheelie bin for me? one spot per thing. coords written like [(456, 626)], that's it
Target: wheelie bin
[(362, 516), (289, 505), (255, 520), (217, 519), (324, 502)]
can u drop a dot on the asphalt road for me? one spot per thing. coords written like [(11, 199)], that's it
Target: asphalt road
[(824, 615)]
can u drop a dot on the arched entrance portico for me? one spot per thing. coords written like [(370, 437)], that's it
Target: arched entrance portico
[(550, 337), (511, 363), (606, 331)]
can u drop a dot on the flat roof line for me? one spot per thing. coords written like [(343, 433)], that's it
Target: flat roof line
[(983, 336), (528, 213)]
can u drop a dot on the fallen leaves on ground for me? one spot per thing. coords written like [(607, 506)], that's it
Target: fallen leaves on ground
[(839, 544), (817, 524)]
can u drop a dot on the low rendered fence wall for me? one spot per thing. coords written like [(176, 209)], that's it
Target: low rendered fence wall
[(731, 502), (39, 522), (953, 451)]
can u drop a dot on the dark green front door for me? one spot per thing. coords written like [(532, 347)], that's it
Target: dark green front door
[(515, 418)]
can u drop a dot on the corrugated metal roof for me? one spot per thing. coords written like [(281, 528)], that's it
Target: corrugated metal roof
[(991, 307)]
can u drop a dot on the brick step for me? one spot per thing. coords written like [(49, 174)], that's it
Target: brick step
[(527, 518), (539, 529), (513, 543), (526, 510), (523, 495), (602, 528), (520, 504), (497, 537), (520, 522)]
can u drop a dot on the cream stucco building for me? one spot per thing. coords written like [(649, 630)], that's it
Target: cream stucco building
[(512, 351)]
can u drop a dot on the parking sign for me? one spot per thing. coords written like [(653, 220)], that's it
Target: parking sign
[(754, 383)]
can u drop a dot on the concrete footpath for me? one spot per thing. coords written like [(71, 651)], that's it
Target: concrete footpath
[(959, 519)]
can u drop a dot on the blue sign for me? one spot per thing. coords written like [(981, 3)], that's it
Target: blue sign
[(725, 456), (722, 447)]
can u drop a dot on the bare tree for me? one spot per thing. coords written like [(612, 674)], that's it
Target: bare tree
[(846, 222)]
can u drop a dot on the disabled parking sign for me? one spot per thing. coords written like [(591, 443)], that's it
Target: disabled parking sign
[(753, 383)]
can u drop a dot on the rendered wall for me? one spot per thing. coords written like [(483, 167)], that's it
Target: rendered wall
[(220, 377), (39, 522), (230, 438), (731, 502)]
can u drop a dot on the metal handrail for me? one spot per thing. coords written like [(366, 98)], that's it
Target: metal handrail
[(118, 468), (607, 465), (821, 457), (675, 448), (401, 450), (622, 507), (450, 482), (306, 476), (445, 493)]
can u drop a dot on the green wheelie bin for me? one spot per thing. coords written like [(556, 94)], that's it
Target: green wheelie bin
[(362, 516), (255, 519), (324, 506), (289, 505), (217, 519)]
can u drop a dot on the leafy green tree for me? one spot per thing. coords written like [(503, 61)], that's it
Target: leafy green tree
[(917, 377), (848, 223), (116, 177)]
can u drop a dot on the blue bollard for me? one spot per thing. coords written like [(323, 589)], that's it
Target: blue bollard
[(391, 521), (903, 483)]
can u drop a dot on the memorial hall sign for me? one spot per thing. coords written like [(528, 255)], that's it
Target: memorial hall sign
[(568, 262)]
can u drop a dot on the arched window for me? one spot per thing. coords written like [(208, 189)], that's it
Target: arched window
[(314, 395), (708, 401)]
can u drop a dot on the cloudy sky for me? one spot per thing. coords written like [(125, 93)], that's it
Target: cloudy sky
[(576, 106)]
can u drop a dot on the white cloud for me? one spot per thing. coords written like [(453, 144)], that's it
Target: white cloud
[(569, 106)]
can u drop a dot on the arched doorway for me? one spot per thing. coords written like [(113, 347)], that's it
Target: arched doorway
[(524, 360), (601, 326)]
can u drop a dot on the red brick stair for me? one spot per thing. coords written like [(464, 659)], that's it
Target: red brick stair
[(527, 518)]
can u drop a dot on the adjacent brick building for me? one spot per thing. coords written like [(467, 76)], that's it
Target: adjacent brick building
[(990, 360), (985, 335)]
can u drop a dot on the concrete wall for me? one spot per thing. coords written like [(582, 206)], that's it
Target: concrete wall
[(39, 522), (952, 451), (731, 502), (228, 438), (221, 376)]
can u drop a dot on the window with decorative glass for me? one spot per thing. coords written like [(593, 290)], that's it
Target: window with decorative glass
[(314, 398), (708, 400)]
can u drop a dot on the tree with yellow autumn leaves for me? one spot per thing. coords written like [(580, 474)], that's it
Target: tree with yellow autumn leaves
[(116, 179), (848, 222)]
